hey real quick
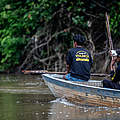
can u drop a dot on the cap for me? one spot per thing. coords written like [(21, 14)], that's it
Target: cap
[(79, 38), (113, 52)]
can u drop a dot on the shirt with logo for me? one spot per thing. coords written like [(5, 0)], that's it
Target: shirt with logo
[(80, 62)]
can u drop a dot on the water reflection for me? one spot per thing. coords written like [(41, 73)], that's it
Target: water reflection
[(23, 107), (25, 97), (65, 111), (7, 108)]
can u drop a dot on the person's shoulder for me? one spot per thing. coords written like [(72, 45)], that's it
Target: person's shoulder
[(72, 49)]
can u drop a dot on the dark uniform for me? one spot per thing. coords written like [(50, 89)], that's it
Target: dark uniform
[(114, 83), (80, 61)]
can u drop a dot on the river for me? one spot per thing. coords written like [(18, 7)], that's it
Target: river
[(26, 97)]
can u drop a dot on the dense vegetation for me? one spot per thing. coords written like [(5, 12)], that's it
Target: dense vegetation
[(36, 34)]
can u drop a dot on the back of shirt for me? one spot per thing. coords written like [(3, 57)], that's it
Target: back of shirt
[(80, 62)]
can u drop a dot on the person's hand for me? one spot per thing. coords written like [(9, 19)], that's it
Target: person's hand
[(110, 53), (66, 72), (114, 58)]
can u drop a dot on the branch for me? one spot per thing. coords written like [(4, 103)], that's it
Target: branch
[(99, 4), (91, 15), (44, 59), (41, 45), (98, 37), (100, 53)]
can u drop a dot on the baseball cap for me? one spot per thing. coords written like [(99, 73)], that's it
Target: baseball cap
[(79, 38), (114, 53)]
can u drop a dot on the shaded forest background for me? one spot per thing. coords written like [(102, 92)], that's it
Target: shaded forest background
[(36, 34)]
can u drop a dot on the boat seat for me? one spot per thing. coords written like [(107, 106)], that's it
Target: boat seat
[(92, 83)]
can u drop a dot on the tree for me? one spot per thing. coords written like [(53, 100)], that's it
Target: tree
[(44, 30)]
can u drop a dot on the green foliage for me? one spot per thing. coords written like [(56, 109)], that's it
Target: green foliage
[(17, 24), (19, 20), (115, 19)]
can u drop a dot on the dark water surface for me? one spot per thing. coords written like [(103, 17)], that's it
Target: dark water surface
[(25, 97)]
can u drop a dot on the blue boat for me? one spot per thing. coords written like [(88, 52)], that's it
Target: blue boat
[(89, 93)]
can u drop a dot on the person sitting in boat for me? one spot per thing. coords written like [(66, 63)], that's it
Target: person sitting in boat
[(79, 61), (115, 72)]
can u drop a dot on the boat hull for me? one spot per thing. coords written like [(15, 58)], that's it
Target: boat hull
[(82, 94)]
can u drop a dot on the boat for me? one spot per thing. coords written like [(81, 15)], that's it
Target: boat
[(89, 93)]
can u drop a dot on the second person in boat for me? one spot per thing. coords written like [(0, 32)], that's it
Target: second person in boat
[(114, 83)]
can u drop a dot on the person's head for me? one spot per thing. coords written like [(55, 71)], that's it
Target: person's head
[(78, 40), (115, 55)]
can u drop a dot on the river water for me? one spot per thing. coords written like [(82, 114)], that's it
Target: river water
[(26, 97)]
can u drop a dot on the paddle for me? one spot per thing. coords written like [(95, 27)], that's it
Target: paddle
[(108, 31), (110, 41)]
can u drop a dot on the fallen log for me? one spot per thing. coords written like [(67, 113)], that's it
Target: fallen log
[(53, 72)]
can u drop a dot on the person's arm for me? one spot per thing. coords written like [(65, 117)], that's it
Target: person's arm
[(113, 69), (112, 65), (67, 68), (91, 60), (113, 55), (67, 71)]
